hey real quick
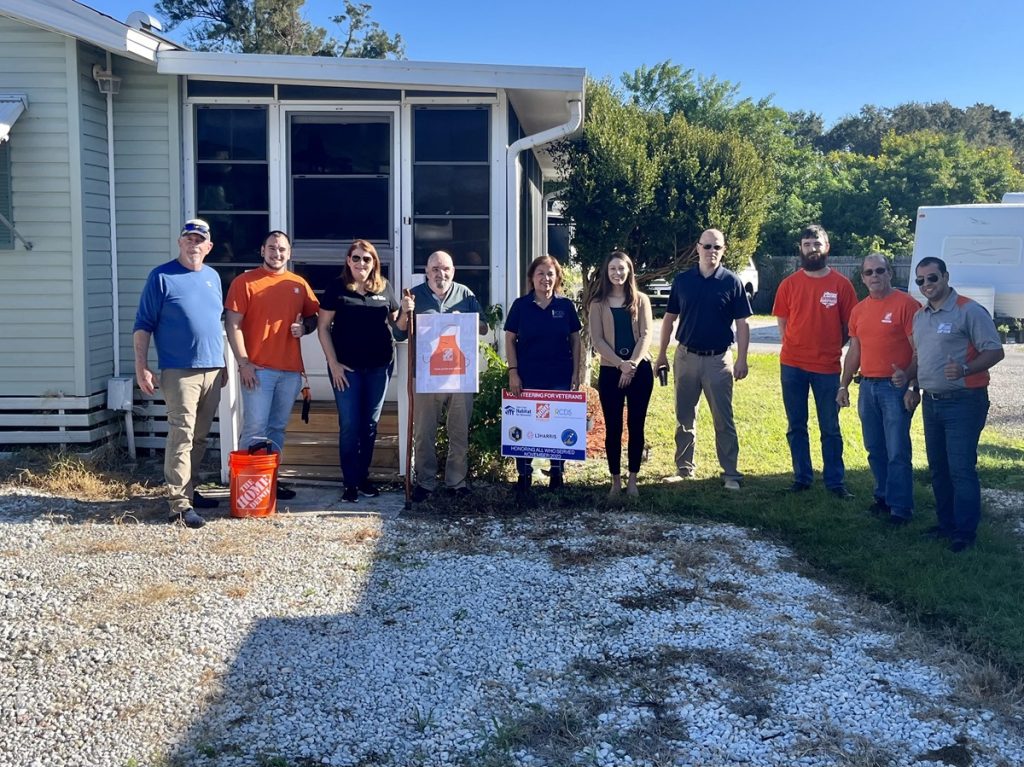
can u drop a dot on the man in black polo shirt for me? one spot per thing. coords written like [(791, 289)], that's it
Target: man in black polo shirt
[(707, 299)]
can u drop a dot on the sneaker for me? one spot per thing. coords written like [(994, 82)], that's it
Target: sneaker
[(420, 494), (680, 477), (189, 518), (798, 487), (200, 501), (960, 544), (732, 484), (284, 492), (351, 495), (879, 508), (840, 492), (367, 488)]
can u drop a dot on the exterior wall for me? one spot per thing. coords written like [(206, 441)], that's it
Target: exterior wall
[(98, 299), (38, 301), (147, 158)]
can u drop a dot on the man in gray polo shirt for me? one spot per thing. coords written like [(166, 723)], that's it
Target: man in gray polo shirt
[(440, 294), (955, 344)]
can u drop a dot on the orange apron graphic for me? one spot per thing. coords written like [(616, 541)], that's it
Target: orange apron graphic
[(448, 359)]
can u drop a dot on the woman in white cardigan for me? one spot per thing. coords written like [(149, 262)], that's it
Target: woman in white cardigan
[(620, 329)]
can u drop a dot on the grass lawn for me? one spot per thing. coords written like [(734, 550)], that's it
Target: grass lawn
[(976, 595)]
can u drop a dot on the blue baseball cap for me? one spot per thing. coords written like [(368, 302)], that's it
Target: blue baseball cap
[(196, 226)]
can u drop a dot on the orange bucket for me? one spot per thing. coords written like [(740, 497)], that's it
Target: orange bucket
[(253, 483)]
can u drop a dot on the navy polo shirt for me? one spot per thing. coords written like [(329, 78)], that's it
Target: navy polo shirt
[(361, 331), (543, 350), (707, 307)]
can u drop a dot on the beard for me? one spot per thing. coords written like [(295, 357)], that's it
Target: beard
[(813, 263)]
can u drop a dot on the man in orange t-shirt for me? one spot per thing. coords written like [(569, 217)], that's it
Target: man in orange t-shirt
[(881, 327), (813, 309), (266, 308)]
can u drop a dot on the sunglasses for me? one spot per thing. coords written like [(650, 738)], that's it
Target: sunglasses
[(363, 259), (877, 270), (198, 228), (919, 281), (711, 247)]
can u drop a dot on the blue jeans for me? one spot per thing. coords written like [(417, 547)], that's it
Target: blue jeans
[(359, 408), (795, 385), (267, 408), (952, 428), (885, 424)]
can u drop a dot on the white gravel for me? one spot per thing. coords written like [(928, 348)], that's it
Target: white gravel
[(611, 639)]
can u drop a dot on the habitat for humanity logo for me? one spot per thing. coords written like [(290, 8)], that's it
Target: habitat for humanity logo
[(544, 411), (510, 410)]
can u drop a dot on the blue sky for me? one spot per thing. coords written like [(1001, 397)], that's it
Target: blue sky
[(827, 57)]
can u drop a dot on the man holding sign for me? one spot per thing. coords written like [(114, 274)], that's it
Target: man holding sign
[(440, 294), (266, 308)]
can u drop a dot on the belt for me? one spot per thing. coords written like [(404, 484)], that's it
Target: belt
[(955, 394), (878, 379), (703, 352)]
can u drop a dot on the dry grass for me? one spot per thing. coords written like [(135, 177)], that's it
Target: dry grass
[(98, 476)]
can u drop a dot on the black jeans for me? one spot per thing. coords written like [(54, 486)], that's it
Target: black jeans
[(636, 396)]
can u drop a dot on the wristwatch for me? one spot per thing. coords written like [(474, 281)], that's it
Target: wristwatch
[(965, 370)]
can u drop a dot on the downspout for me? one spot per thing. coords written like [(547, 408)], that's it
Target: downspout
[(512, 190), (112, 191), (115, 293)]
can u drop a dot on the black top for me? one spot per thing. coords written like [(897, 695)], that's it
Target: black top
[(361, 331), (707, 307)]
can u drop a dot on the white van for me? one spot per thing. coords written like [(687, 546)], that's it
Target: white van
[(983, 247)]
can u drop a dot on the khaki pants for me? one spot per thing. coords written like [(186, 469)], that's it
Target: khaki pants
[(429, 409), (192, 396), (711, 376)]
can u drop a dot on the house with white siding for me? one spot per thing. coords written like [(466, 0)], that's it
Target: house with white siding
[(111, 135)]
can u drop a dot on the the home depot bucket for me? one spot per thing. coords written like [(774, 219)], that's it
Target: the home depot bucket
[(253, 483)]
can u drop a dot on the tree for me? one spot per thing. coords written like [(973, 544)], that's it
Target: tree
[(277, 26)]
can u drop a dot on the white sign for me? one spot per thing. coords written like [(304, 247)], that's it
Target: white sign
[(544, 424), (446, 353)]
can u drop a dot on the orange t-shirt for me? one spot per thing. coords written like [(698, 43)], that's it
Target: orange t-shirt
[(816, 310), (883, 325), (269, 304)]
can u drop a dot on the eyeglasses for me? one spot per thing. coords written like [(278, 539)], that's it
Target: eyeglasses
[(876, 270), (711, 247), (927, 278), (364, 259)]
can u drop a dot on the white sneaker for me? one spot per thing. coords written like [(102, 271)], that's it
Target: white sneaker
[(732, 484)]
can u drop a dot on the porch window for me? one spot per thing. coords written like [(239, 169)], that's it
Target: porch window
[(451, 191), (232, 183)]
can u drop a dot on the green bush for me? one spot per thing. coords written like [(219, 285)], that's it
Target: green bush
[(485, 426)]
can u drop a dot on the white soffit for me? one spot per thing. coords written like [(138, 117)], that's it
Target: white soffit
[(11, 107)]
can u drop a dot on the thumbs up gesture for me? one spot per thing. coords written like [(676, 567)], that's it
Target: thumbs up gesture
[(297, 328), (899, 376), (952, 369)]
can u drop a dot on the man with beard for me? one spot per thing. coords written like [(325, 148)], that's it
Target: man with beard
[(708, 299), (440, 294), (880, 347), (813, 308), (955, 344), (266, 309)]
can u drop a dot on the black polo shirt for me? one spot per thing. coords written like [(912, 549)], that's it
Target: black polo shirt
[(361, 331), (707, 307)]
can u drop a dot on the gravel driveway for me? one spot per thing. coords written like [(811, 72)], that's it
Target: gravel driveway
[(597, 639)]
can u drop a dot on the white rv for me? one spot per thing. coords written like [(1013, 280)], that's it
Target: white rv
[(983, 247)]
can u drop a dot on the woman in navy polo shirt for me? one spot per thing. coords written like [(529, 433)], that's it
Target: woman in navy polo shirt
[(357, 313), (542, 345)]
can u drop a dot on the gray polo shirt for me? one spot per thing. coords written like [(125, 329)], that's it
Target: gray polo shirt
[(960, 328), (459, 299)]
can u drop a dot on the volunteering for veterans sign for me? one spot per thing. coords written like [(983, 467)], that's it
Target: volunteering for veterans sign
[(544, 424)]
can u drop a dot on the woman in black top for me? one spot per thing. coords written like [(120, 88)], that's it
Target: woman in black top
[(357, 313)]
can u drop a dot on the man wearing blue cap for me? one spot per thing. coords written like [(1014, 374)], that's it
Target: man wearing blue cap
[(180, 310)]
